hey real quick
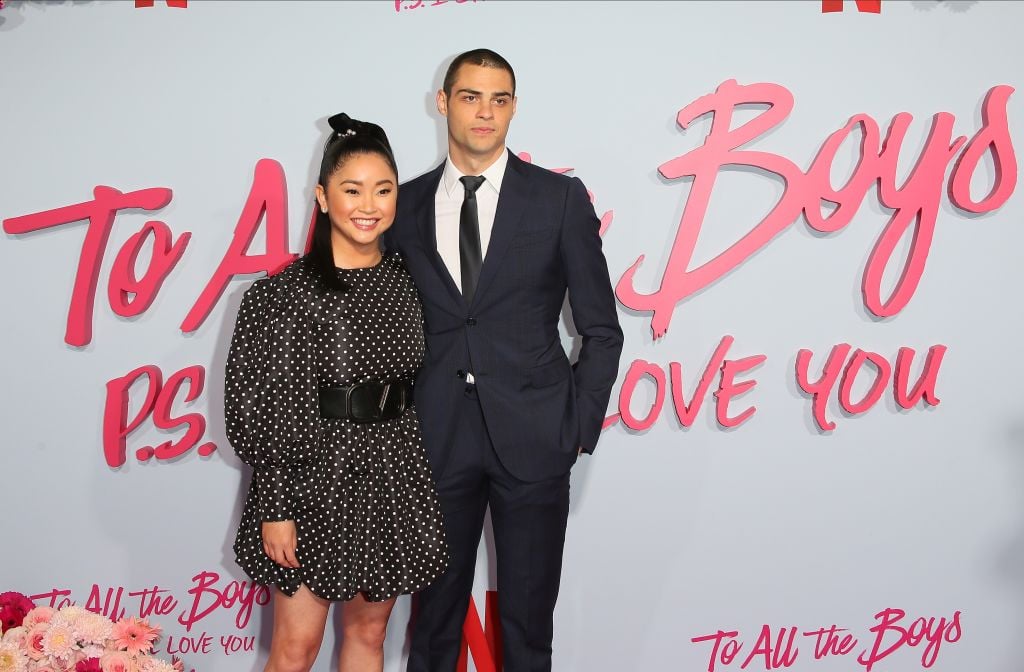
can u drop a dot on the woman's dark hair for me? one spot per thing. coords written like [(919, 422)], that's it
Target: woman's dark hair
[(349, 138)]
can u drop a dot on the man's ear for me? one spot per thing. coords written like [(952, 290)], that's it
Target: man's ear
[(442, 103), (514, 101)]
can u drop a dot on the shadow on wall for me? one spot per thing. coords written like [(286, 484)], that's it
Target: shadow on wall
[(17, 12), (217, 434), (951, 5), (1009, 563), (430, 104)]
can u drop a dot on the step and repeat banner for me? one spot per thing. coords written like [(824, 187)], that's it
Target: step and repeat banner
[(813, 458)]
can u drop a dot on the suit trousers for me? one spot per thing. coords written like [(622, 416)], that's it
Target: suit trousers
[(528, 519)]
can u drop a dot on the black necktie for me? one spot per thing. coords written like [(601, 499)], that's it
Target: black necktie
[(470, 258)]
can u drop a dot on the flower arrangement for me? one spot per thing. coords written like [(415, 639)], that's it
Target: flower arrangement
[(72, 639)]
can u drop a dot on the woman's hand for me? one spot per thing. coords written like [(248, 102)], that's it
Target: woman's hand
[(280, 541)]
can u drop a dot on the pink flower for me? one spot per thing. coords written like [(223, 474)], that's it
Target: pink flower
[(88, 665), (11, 658), (58, 641), (134, 636), (38, 615), (116, 661), (34, 641)]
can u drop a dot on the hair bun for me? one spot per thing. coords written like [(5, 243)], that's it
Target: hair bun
[(344, 126)]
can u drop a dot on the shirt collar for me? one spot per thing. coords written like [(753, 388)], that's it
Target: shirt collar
[(494, 173)]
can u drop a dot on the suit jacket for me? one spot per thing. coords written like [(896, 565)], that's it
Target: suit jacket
[(538, 410)]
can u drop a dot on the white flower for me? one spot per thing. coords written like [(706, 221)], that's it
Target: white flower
[(156, 665), (70, 616), (16, 635), (11, 657), (95, 628)]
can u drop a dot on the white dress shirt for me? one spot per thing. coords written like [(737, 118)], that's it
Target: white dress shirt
[(448, 208)]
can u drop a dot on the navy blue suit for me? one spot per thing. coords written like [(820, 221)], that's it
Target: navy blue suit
[(509, 440)]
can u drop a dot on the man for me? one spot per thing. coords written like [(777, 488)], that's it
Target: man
[(493, 244)]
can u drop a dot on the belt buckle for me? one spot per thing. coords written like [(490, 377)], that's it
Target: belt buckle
[(383, 400), (354, 410)]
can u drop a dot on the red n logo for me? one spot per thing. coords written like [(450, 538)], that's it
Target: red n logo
[(870, 6), (483, 642)]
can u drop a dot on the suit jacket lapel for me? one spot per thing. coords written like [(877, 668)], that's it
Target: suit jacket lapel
[(511, 203), (428, 231)]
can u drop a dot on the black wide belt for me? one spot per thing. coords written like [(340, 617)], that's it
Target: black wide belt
[(366, 402)]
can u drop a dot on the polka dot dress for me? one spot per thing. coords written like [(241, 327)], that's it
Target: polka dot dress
[(361, 495)]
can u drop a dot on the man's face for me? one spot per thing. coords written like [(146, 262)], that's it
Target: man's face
[(479, 110)]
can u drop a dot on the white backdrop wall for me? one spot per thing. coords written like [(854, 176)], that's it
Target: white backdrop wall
[(677, 530)]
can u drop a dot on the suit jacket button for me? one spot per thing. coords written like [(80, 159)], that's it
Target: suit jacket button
[(471, 321)]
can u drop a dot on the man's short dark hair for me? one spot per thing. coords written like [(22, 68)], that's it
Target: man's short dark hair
[(481, 57)]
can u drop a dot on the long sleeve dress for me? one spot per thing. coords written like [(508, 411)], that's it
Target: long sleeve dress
[(361, 495)]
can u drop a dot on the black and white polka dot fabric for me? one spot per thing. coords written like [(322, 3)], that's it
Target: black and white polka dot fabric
[(361, 494)]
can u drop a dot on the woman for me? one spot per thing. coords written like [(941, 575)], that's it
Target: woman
[(318, 400)]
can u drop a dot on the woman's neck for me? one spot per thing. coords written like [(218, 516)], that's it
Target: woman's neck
[(350, 258)]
